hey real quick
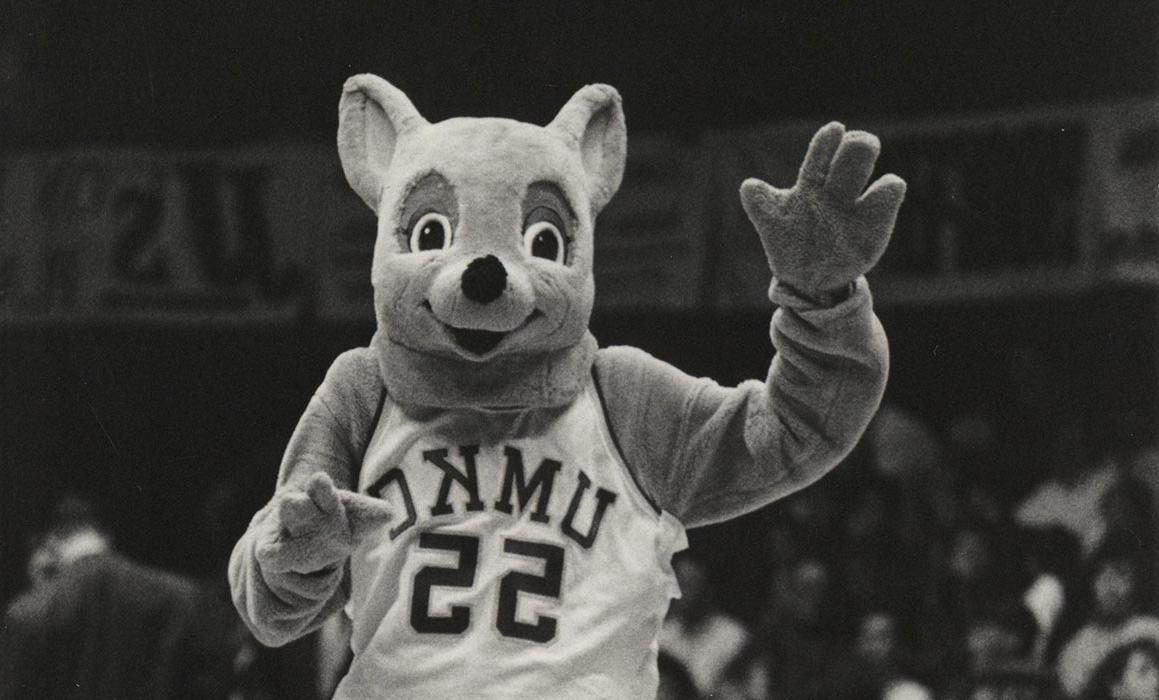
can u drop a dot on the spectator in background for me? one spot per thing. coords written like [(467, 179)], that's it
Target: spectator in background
[(813, 515), (876, 660), (901, 446), (998, 647), (974, 454), (979, 472), (98, 625), (697, 633), (876, 566), (226, 671), (905, 453), (907, 689), (243, 669), (1072, 497), (783, 539), (972, 576), (1118, 611), (1129, 672), (1049, 566), (796, 644), (1142, 464), (745, 679), (1127, 507)]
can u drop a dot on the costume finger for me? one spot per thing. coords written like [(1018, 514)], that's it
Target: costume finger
[(818, 158), (762, 202), (297, 514), (364, 513), (882, 200), (320, 489), (852, 165)]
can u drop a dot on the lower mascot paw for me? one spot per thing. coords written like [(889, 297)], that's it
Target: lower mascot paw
[(317, 526)]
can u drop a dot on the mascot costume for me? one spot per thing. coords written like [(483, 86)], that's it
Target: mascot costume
[(492, 499)]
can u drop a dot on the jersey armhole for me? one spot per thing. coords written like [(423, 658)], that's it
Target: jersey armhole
[(616, 443), (377, 414), (370, 433)]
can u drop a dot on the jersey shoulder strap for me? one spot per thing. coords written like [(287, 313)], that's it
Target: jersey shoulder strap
[(611, 428)]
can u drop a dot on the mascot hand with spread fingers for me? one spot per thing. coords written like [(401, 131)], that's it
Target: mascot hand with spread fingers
[(494, 500)]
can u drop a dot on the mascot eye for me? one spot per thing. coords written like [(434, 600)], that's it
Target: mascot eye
[(544, 240), (431, 232)]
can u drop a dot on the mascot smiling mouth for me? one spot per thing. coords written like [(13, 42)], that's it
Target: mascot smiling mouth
[(479, 341), (474, 340)]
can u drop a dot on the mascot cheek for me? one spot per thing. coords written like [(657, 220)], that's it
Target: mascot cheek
[(400, 288), (565, 299)]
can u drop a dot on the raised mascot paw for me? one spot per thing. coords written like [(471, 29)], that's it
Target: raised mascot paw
[(317, 526), (825, 231)]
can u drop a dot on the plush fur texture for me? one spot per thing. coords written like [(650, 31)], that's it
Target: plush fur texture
[(824, 232)]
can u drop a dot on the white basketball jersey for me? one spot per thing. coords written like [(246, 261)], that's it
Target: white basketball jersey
[(524, 561)]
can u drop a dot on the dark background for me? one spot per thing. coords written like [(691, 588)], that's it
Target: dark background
[(150, 420), (201, 72)]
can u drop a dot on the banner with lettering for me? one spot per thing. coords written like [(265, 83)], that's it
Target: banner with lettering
[(143, 235), (274, 234), (1124, 171)]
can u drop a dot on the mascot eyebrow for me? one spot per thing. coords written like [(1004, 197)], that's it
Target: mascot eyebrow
[(545, 201), (547, 193), (429, 193)]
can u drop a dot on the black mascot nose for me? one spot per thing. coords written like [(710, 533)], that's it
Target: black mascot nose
[(484, 279)]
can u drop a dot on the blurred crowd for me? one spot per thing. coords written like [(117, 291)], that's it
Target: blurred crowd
[(916, 571), (926, 567), (95, 623)]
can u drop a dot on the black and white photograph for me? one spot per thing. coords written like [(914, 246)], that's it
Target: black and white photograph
[(578, 350)]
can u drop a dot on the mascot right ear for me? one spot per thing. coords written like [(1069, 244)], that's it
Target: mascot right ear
[(592, 122), (372, 116)]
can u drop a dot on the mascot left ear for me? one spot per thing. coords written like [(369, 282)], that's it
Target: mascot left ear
[(592, 122), (372, 116)]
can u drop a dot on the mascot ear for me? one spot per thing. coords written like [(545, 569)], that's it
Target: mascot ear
[(592, 122), (372, 116)]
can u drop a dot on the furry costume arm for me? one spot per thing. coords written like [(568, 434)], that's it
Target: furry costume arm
[(287, 570), (707, 453)]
